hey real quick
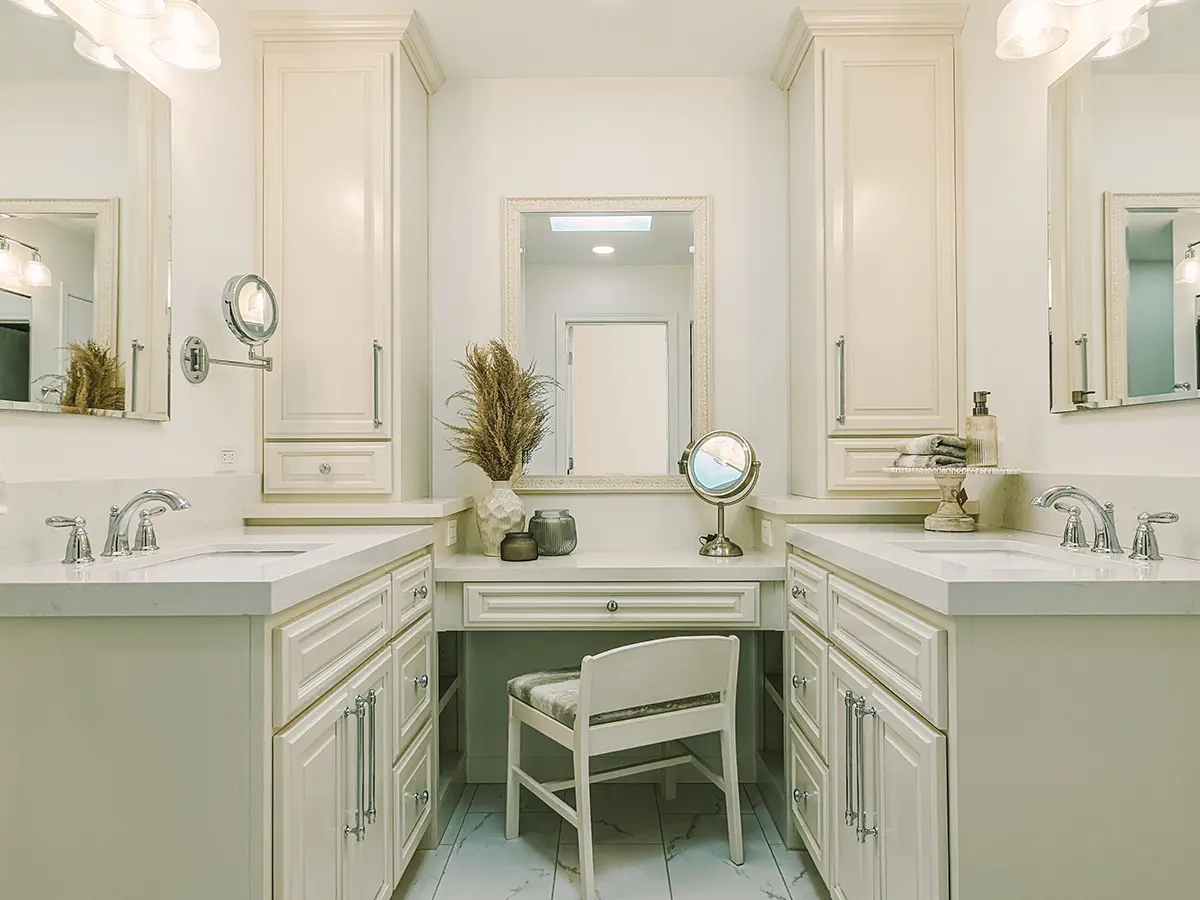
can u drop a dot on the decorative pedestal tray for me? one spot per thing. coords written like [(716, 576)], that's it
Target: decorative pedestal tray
[(950, 515)]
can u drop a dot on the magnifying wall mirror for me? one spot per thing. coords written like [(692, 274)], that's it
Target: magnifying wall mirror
[(251, 313), (721, 468)]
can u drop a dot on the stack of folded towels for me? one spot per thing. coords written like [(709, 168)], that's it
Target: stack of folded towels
[(931, 452)]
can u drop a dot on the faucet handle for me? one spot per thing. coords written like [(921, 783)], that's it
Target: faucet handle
[(79, 545), (1074, 537), (146, 539), (1162, 518), (1145, 541)]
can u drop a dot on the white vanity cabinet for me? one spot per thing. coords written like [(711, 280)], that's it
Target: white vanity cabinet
[(343, 187), (873, 155)]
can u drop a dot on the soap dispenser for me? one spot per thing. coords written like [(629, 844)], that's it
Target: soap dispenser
[(983, 448)]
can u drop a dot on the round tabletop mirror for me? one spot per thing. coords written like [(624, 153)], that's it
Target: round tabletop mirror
[(721, 468), (250, 309)]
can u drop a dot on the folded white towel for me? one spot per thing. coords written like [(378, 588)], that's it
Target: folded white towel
[(926, 461), (935, 445)]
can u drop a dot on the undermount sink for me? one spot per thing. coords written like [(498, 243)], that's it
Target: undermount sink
[(1009, 555), (232, 559)]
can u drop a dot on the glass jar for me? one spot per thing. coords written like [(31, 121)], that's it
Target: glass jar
[(554, 530)]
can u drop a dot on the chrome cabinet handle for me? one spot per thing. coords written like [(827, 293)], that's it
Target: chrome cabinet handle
[(860, 713), (421, 592), (840, 343), (422, 798), (373, 752), (612, 606), (798, 682), (359, 711), (798, 592), (135, 347), (325, 468), (799, 796), (1082, 343), (848, 703), (421, 682), (376, 356)]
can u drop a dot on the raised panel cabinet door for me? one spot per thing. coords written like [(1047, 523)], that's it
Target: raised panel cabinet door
[(311, 757), (326, 173), (911, 811), (891, 234), (369, 861), (852, 863)]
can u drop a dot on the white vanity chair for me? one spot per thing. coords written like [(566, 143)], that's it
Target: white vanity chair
[(650, 693)]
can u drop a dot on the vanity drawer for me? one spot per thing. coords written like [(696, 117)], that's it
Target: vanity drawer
[(808, 797), (808, 699), (412, 799), (547, 605), (906, 654), (319, 649), (412, 592), (807, 595), (412, 675), (858, 464), (350, 467)]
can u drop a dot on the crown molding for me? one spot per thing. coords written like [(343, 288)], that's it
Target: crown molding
[(406, 26), (905, 18)]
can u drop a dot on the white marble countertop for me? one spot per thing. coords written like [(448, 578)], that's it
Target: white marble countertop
[(239, 585), (825, 509), (1016, 573), (403, 512), (633, 565)]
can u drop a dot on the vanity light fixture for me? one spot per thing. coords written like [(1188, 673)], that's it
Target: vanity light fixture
[(34, 273), (38, 8), (604, 250), (1188, 270), (1132, 35), (97, 53), (1030, 28), (187, 37), (600, 223), (136, 9), (9, 264)]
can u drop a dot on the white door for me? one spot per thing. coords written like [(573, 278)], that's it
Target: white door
[(910, 808), (327, 236), (891, 235), (853, 862), (369, 861), (311, 801)]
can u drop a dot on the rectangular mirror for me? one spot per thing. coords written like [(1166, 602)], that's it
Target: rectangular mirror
[(1124, 216), (610, 296), (85, 203)]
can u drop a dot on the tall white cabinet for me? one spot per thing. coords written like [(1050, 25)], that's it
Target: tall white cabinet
[(343, 178), (873, 155)]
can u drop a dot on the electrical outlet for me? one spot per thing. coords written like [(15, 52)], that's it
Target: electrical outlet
[(768, 533), (452, 533), (227, 460)]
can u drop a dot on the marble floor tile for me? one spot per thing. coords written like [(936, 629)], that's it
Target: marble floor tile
[(698, 798), (759, 806), (490, 798), (697, 848), (456, 818), (621, 814), (623, 872), (423, 874), (800, 875), (485, 866)]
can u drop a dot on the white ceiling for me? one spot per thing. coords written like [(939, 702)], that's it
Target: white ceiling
[(665, 244), (1171, 47), (36, 47)]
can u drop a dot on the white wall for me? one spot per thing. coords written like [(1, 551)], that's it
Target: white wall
[(213, 238), (603, 137)]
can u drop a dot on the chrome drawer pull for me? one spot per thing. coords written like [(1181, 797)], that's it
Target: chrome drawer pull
[(422, 798), (848, 703), (371, 811), (325, 468), (612, 606), (798, 592), (359, 828), (421, 592), (799, 796), (798, 682), (860, 713), (840, 344), (422, 682), (376, 353)]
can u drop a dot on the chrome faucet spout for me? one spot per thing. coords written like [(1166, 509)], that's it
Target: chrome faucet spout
[(117, 541), (1107, 540)]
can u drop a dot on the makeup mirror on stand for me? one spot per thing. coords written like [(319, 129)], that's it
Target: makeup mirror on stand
[(721, 468)]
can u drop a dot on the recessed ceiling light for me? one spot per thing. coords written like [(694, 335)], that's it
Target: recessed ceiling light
[(603, 250), (600, 223)]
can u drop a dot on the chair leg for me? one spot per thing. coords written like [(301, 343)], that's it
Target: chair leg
[(733, 804), (583, 807), (512, 800)]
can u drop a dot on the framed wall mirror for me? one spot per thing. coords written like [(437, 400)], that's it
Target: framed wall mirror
[(611, 297), (85, 205), (1125, 220)]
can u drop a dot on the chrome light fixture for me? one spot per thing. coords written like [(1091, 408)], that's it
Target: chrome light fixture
[(38, 8), (1188, 270), (97, 53), (36, 273), (136, 9), (1030, 28), (187, 37), (9, 264), (1132, 35)]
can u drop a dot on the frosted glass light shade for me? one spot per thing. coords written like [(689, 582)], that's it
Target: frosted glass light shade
[(187, 37), (1169, 2), (1188, 271), (9, 264), (1075, 2), (137, 9), (38, 8), (1030, 28), (36, 273), (97, 53), (1132, 35)]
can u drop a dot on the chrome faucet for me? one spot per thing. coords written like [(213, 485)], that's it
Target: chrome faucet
[(1107, 540), (117, 542)]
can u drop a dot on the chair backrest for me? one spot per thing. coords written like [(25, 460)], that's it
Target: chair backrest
[(657, 672)]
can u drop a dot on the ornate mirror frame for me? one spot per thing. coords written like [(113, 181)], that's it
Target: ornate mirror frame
[(700, 208)]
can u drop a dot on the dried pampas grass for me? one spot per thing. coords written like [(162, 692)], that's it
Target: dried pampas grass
[(93, 379), (505, 414)]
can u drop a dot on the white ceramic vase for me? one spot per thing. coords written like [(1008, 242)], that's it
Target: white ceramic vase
[(498, 513)]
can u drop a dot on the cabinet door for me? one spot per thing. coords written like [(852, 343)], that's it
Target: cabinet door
[(327, 236), (891, 234), (369, 861), (311, 800), (910, 810), (852, 864)]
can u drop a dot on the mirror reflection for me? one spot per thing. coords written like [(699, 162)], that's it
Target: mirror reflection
[(719, 463), (84, 226), (1124, 216)]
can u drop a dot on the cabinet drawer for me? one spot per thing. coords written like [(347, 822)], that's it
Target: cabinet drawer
[(612, 606), (327, 468), (412, 592), (316, 651), (808, 797), (412, 675), (857, 465), (807, 595), (907, 654), (808, 697), (412, 799)]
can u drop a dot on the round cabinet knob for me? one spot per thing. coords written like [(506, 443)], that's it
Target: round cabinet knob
[(422, 798), (798, 592), (800, 796), (325, 468), (798, 682), (422, 592), (611, 606), (422, 682)]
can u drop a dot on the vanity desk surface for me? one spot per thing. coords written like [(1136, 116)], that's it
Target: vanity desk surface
[(614, 565)]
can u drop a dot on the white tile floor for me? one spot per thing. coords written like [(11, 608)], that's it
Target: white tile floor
[(646, 849)]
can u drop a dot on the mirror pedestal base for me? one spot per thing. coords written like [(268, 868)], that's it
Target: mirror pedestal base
[(719, 546)]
